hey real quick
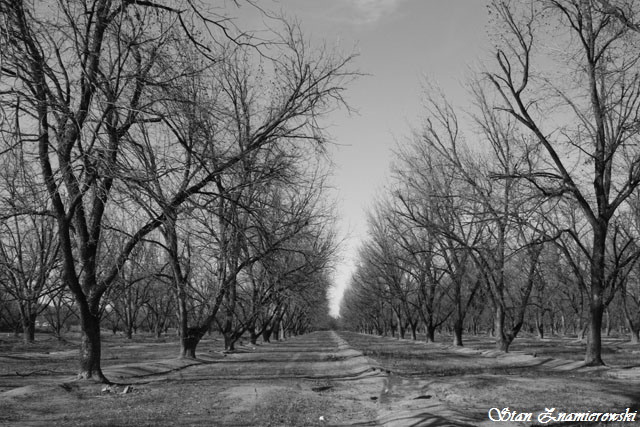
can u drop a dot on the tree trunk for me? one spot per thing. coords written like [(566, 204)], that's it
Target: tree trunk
[(414, 326), (57, 331), (540, 329), (90, 346), (229, 341), (459, 313), (282, 330), (502, 341), (266, 335), (157, 330), (29, 327), (582, 333), (189, 342), (430, 331), (227, 332), (253, 336), (457, 333), (540, 324), (593, 353)]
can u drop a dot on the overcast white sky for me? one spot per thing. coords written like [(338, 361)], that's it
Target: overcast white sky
[(398, 42)]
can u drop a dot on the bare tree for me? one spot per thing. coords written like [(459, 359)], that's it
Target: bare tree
[(28, 241), (289, 237), (432, 199), (87, 80), (404, 263), (79, 103), (28, 256), (589, 116), (492, 198)]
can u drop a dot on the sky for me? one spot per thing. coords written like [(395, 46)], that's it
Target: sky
[(399, 43)]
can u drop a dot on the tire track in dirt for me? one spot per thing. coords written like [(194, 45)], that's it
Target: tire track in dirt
[(407, 401), (315, 356), (318, 366), (316, 374), (311, 380)]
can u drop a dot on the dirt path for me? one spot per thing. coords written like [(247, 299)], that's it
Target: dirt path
[(319, 379), (316, 379), (408, 401)]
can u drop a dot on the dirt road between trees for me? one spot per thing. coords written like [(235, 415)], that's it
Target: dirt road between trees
[(323, 378), (316, 379)]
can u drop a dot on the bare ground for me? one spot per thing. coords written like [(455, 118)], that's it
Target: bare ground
[(324, 378), (311, 380)]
